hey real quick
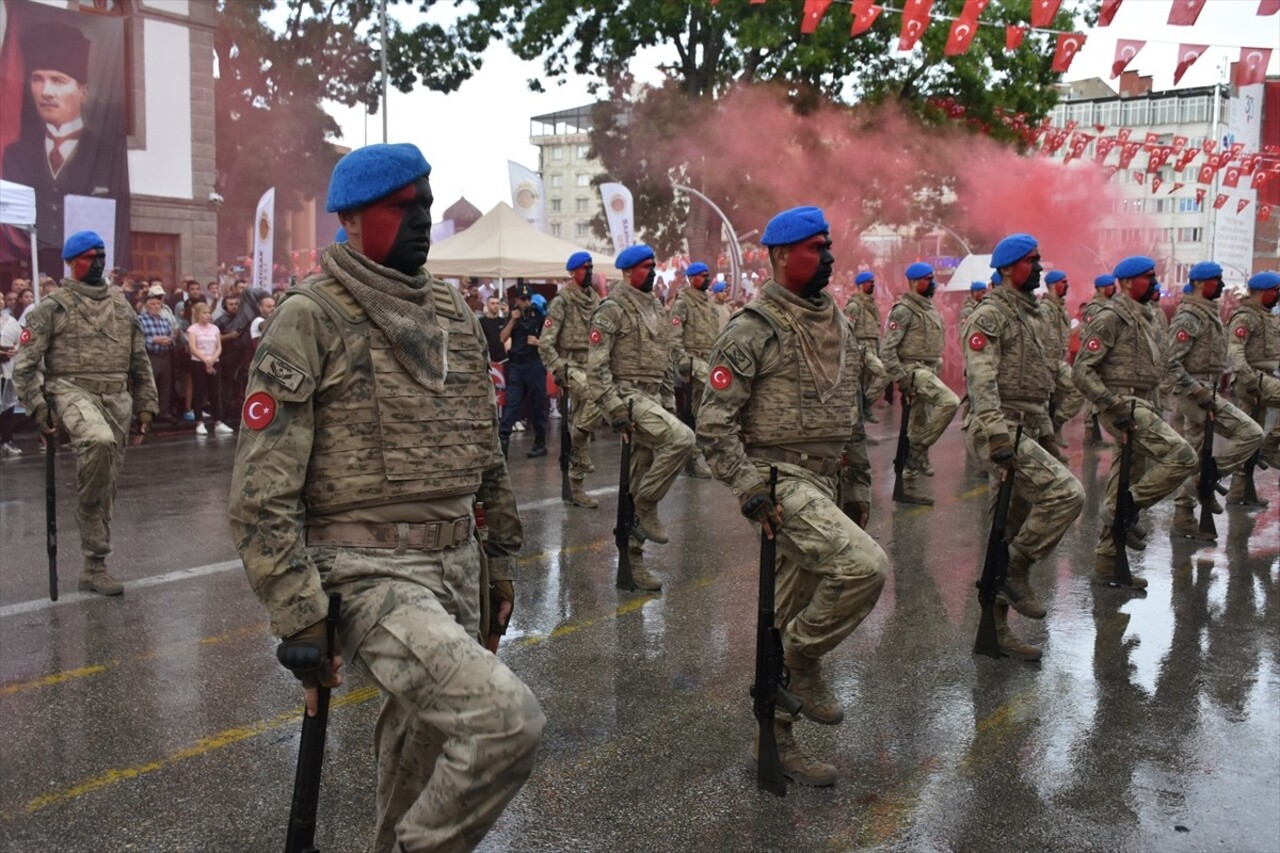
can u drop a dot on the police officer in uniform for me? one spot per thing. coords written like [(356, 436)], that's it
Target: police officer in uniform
[(912, 356), (1009, 371), (1253, 351), (526, 374), (696, 323), (784, 390), (977, 292), (1196, 356), (369, 432), (864, 315), (83, 366), (630, 377), (1119, 370), (1066, 401)]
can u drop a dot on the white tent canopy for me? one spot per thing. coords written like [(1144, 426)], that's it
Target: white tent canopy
[(17, 204), (972, 268), (501, 244)]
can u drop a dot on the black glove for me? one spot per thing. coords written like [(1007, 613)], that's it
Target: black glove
[(44, 418), (1119, 412), (857, 511), (1202, 397), (1001, 450), (619, 421), (303, 654), (756, 504)]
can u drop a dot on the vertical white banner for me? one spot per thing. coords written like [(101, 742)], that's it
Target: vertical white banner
[(1233, 228), (528, 196), (619, 212), (91, 213), (264, 236)]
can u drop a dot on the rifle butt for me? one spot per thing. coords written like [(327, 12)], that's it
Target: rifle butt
[(51, 513), (768, 763), (987, 643)]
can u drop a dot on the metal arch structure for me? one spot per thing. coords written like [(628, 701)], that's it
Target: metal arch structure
[(957, 237), (735, 249)]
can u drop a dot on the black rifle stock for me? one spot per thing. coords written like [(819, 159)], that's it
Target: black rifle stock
[(1250, 496), (624, 525), (1124, 503), (306, 781), (566, 443), (1209, 475), (995, 567), (904, 443), (51, 512), (686, 417), (770, 688)]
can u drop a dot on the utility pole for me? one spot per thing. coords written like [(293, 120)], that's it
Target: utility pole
[(1212, 231), (382, 11)]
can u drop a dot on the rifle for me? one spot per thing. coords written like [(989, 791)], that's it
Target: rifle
[(51, 512), (685, 414), (904, 443), (1095, 434), (1250, 497), (995, 568), (306, 781), (769, 692), (1124, 503), (566, 441), (1209, 475), (624, 526)]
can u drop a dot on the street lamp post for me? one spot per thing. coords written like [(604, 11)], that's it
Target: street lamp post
[(735, 250)]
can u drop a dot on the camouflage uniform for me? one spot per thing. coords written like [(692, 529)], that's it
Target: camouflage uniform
[(912, 355), (350, 477), (1066, 400), (1253, 350), (1196, 352), (695, 324), (864, 316), (564, 352), (89, 345), (1119, 361), (970, 303), (1091, 307)]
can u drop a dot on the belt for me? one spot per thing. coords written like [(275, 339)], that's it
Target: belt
[(823, 466), (1132, 391), (433, 536), (96, 386)]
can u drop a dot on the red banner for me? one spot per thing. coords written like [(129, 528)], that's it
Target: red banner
[(1108, 11), (1126, 50), (1187, 56), (1183, 13), (1069, 45), (962, 33), (864, 15), (1252, 67), (1042, 12)]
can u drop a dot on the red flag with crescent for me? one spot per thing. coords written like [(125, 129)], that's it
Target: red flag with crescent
[(1127, 152), (1232, 177), (1176, 186), (1234, 151), (1155, 184), (973, 9), (1205, 176), (1252, 67), (1185, 158), (962, 32), (1242, 204), (1183, 13), (1124, 133), (1187, 56), (865, 13), (1013, 36), (915, 17), (1219, 201), (1042, 12), (1126, 50), (1109, 172), (1264, 212), (1200, 197), (813, 12), (1108, 11), (1179, 143), (1259, 178), (1268, 7), (1069, 45), (1103, 148)]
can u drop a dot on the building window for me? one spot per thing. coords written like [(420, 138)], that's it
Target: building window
[(584, 152), (1189, 235), (579, 229), (1195, 109), (583, 180), (555, 205), (557, 180), (557, 152), (155, 256), (1189, 205), (1134, 113), (580, 205), (555, 229), (1165, 111)]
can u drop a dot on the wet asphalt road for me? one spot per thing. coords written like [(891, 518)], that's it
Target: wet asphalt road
[(160, 721)]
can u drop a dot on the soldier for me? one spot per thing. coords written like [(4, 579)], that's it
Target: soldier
[(564, 351), (1009, 369), (1066, 401), (369, 433), (977, 291), (864, 315), (1253, 350), (696, 324), (89, 346), (629, 365), (783, 390), (1196, 356), (1118, 368), (912, 355), (1104, 288), (720, 295)]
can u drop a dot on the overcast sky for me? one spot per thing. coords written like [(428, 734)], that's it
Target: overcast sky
[(469, 135)]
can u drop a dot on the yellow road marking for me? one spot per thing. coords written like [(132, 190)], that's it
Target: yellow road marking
[(57, 678)]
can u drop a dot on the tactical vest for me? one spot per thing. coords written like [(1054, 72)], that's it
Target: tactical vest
[(383, 438), (1024, 374), (1261, 351), (701, 323), (784, 407), (578, 305), (1131, 363), (865, 314), (81, 348), (1091, 307), (1057, 328), (638, 355), (924, 336), (1208, 354)]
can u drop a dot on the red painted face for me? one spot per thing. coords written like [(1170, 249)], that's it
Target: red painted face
[(1270, 297), (1212, 288), (1060, 289), (395, 230), (642, 275), (807, 268), (1141, 287), (1108, 291), (89, 266), (1025, 274), (582, 275)]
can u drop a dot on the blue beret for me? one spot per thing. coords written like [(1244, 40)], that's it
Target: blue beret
[(576, 260), (341, 236), (1265, 280), (633, 255), (80, 242), (539, 303), (1055, 276), (697, 269), (977, 285), (864, 277), (1205, 270), (996, 280), (1012, 249), (1134, 266), (919, 270), (1104, 280), (794, 225), (720, 287), (369, 173)]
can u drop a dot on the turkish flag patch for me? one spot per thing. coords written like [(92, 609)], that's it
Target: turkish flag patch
[(721, 377), (675, 321), (977, 341), (547, 325), (595, 337), (1183, 337), (25, 337), (259, 410), (893, 324), (1093, 345), (1241, 332)]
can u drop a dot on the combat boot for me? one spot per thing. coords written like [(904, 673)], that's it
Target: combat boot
[(578, 495), (1010, 643), (1104, 573), (1235, 496), (506, 446), (918, 460), (1186, 525), (94, 578), (1270, 452), (643, 580), (798, 764), (648, 522), (700, 469), (807, 683), (1017, 592), (1135, 535), (911, 493), (539, 448)]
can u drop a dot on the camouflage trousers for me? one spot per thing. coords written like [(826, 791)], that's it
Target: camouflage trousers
[(1242, 435), (874, 377), (1162, 459), (1268, 398), (585, 415), (1066, 400), (661, 446), (933, 406), (1046, 499), (457, 730), (830, 572), (99, 426)]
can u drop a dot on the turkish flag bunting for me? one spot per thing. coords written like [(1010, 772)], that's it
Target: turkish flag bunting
[(1242, 204), (1109, 172), (974, 8), (1176, 186), (813, 12), (1185, 158), (1215, 162), (1150, 140), (1155, 161), (1205, 175), (1179, 142), (1187, 56), (1069, 45), (1249, 164), (1252, 67), (915, 17), (1208, 145), (1108, 11), (1234, 152), (1259, 178), (1103, 148), (1200, 196), (962, 32), (1099, 127), (1126, 50), (1042, 12), (1072, 125), (1184, 12), (1264, 212), (1123, 134), (1155, 184), (1268, 7), (1013, 36), (1127, 152), (1232, 177), (1219, 201), (865, 13), (1140, 177)]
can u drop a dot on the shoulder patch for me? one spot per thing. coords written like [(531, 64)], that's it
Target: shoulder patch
[(675, 321), (1183, 336), (548, 324), (595, 337), (721, 377), (1241, 332), (259, 410), (25, 337), (281, 371), (977, 341), (1093, 345), (893, 324), (736, 356), (986, 321)]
